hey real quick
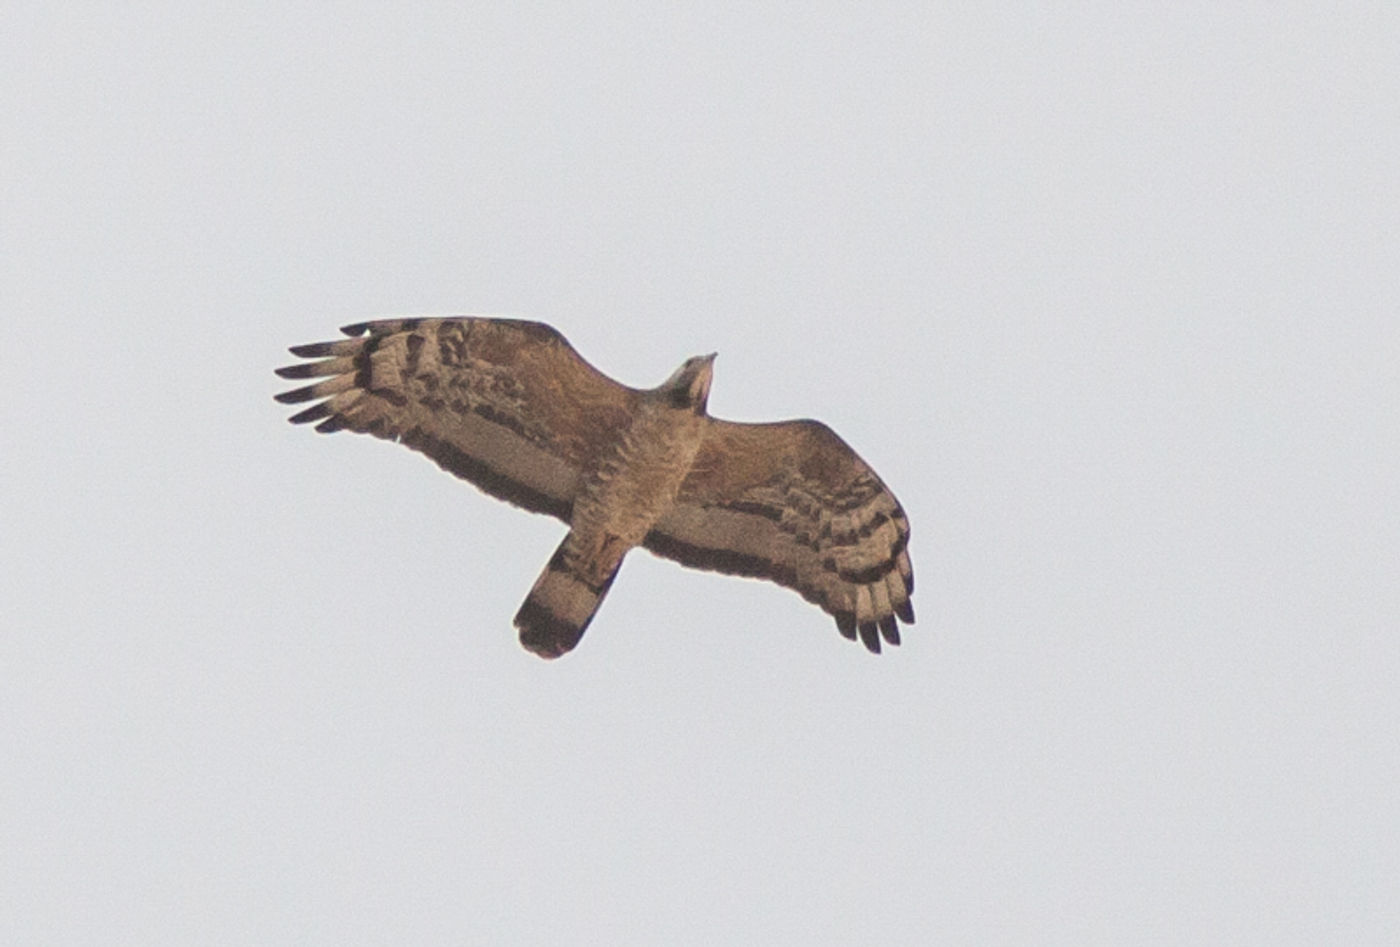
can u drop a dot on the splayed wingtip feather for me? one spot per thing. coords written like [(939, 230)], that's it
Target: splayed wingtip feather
[(296, 395), (889, 629), (311, 349), (314, 413), (870, 636)]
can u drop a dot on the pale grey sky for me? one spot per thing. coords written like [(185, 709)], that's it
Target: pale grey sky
[(1108, 295)]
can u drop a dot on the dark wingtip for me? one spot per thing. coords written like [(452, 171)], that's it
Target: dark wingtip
[(846, 624), (296, 395), (905, 611), (355, 328), (314, 413), (330, 425), (870, 636), (889, 629), (300, 370), (311, 349)]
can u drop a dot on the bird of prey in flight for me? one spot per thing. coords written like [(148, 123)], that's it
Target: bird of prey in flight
[(511, 407)]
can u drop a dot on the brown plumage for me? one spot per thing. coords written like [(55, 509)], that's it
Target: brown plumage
[(510, 406)]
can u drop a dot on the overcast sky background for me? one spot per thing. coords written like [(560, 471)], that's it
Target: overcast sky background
[(1109, 296)]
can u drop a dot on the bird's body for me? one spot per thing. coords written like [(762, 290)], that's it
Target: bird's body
[(634, 482), (510, 406), (640, 472)]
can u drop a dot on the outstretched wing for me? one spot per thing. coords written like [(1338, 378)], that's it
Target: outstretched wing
[(793, 503), (506, 404)]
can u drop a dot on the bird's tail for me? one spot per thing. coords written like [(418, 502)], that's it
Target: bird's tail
[(559, 607)]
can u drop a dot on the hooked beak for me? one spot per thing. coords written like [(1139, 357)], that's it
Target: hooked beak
[(708, 375)]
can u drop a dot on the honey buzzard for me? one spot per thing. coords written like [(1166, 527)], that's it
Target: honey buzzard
[(511, 407)]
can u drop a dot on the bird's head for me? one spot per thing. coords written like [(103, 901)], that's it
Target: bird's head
[(689, 385)]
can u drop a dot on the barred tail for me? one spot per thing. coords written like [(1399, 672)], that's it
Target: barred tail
[(558, 609)]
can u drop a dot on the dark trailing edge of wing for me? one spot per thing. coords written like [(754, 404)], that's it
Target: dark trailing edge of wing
[(444, 454), (734, 563), (720, 560), (456, 461)]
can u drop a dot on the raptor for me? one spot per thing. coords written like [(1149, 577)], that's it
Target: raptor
[(511, 407)]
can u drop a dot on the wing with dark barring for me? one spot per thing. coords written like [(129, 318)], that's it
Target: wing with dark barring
[(505, 404), (792, 502)]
